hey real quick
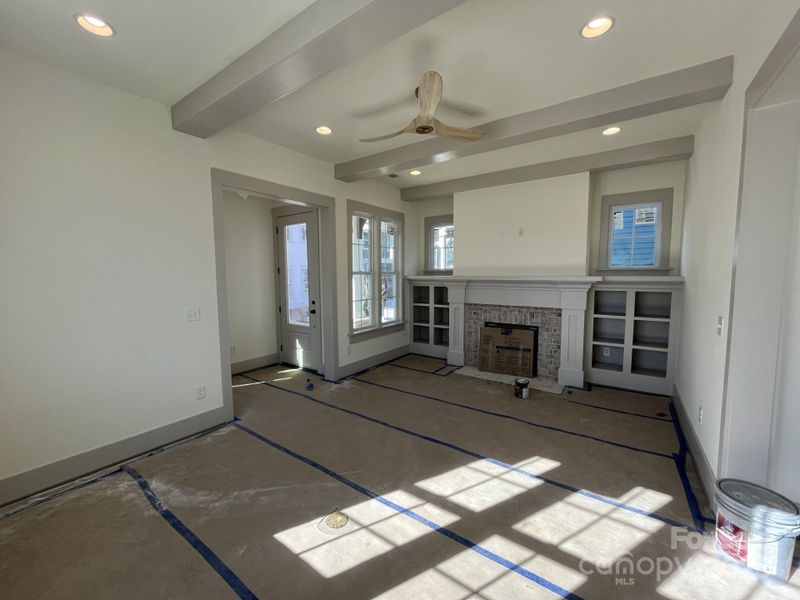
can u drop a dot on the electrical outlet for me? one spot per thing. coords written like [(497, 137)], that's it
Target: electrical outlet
[(348, 349), (191, 314), (606, 351), (700, 415), (720, 326), (200, 392), (233, 350)]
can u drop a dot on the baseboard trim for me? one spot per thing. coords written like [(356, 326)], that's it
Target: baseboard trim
[(258, 362), (704, 470), (56, 473), (372, 361)]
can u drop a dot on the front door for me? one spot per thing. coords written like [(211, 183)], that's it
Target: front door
[(299, 310)]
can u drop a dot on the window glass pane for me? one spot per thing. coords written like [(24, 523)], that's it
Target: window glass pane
[(634, 235), (362, 299), (297, 274), (442, 237), (389, 308), (360, 244), (389, 233)]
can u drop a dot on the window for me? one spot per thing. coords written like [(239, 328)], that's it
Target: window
[(375, 267), (633, 239), (635, 230), (440, 236)]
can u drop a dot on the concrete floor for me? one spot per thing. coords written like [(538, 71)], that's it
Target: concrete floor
[(452, 488)]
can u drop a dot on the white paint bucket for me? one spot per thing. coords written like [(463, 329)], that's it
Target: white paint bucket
[(756, 527)]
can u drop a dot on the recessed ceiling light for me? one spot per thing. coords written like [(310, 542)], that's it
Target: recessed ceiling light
[(324, 130), (95, 25), (597, 27), (415, 172), (612, 130)]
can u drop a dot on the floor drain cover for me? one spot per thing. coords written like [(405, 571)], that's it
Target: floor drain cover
[(334, 522)]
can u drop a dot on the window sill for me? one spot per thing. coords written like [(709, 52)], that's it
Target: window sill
[(368, 334), (635, 270)]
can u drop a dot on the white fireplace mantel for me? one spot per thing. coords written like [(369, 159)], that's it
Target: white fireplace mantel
[(569, 293)]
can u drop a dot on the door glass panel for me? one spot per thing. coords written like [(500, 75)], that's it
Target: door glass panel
[(297, 274)]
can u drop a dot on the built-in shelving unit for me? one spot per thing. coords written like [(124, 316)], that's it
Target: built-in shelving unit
[(430, 326), (632, 331)]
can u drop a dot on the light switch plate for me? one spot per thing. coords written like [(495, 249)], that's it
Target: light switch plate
[(192, 314)]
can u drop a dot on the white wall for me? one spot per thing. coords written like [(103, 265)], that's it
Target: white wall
[(638, 179), (784, 460), (106, 237), (531, 228), (250, 275), (712, 186)]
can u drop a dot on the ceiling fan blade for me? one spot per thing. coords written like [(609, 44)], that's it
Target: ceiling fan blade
[(430, 94), (410, 128), (458, 133)]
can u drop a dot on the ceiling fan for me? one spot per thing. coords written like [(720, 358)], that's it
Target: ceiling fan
[(429, 93)]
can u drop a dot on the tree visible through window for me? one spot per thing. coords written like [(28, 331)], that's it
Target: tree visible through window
[(634, 237)]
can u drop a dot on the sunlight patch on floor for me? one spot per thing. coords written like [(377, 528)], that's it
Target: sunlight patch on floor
[(593, 530), (706, 575), (471, 575), (373, 529), (482, 484)]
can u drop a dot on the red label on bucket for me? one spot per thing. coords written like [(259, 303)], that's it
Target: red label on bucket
[(732, 540)]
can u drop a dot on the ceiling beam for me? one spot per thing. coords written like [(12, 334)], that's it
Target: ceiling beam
[(328, 35), (687, 87), (679, 148)]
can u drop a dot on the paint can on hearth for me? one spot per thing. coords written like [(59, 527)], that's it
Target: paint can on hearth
[(521, 389), (756, 527)]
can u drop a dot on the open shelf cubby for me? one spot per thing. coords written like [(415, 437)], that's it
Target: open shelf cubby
[(422, 334), (441, 316), (441, 336), (422, 314), (654, 305), (421, 294), (609, 331), (610, 302), (649, 362), (607, 357), (440, 295), (654, 334)]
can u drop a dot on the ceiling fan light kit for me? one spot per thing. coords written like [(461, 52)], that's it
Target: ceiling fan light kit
[(429, 94)]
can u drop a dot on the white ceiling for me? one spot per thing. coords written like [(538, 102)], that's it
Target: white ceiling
[(502, 56), (497, 57), (162, 50)]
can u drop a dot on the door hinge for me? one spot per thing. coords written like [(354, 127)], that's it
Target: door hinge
[(281, 347), (279, 309), (279, 270), (276, 231)]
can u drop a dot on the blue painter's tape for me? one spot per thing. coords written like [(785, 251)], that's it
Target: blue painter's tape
[(622, 412), (236, 584), (680, 464), (433, 440), (510, 565), (518, 420)]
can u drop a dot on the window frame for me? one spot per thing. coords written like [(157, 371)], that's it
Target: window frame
[(661, 198), (430, 223), (376, 215)]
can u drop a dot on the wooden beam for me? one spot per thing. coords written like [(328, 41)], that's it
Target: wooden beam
[(328, 35), (687, 87), (633, 156)]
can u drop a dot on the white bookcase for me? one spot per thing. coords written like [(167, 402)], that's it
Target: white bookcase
[(430, 319), (632, 333)]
